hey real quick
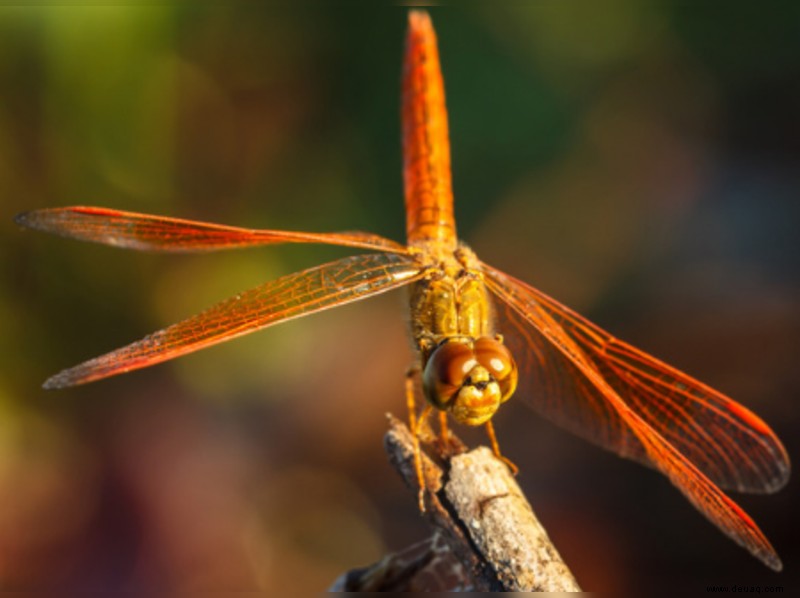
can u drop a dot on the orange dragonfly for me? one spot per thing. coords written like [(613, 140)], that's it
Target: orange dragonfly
[(480, 333)]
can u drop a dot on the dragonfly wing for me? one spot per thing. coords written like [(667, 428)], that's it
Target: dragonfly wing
[(724, 439), (727, 442), (160, 233), (553, 385), (701, 491), (573, 385), (322, 287)]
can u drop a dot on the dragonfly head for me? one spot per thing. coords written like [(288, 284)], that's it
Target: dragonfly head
[(470, 378)]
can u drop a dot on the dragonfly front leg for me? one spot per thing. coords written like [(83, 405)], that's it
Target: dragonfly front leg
[(496, 448), (444, 432), (415, 425)]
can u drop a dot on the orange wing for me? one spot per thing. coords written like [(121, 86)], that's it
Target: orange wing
[(626, 401), (160, 233), (426, 143), (336, 283)]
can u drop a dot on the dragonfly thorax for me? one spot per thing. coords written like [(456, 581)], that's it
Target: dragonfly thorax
[(467, 371), (470, 378), (451, 300)]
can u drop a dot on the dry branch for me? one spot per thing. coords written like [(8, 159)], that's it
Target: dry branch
[(486, 536)]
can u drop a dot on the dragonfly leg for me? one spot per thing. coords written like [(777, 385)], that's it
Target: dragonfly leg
[(496, 449), (414, 425), (447, 443), (444, 433)]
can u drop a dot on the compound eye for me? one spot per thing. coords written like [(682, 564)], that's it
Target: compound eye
[(446, 370), (495, 357)]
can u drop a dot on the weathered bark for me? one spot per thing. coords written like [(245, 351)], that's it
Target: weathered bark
[(486, 536)]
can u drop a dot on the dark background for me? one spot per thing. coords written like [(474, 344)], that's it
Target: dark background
[(639, 163)]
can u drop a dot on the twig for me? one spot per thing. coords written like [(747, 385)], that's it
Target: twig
[(486, 536)]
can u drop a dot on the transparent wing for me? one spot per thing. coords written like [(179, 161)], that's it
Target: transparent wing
[(727, 442), (640, 408), (322, 287), (160, 233)]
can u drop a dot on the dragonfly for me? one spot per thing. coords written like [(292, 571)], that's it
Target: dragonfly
[(481, 335)]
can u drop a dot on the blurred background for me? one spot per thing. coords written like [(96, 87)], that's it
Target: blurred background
[(639, 163)]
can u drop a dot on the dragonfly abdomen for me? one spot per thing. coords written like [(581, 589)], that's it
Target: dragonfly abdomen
[(426, 145)]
